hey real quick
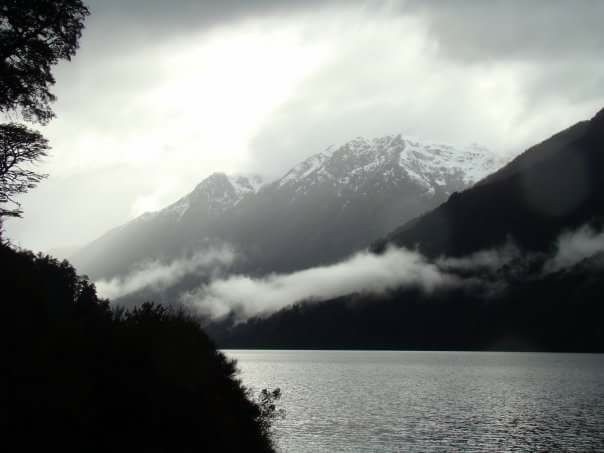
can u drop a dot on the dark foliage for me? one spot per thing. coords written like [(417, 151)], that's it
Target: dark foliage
[(35, 35), (78, 376), (19, 148)]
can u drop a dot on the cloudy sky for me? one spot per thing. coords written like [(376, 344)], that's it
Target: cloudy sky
[(162, 94)]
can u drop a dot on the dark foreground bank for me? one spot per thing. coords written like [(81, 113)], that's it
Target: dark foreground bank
[(78, 376)]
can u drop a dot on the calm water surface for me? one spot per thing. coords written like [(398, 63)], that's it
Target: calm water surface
[(359, 401)]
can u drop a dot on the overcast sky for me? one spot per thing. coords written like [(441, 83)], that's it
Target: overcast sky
[(162, 94)]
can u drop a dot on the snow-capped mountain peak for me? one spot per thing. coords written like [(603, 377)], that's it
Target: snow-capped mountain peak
[(323, 209), (438, 163), (217, 193), (413, 165), (395, 159)]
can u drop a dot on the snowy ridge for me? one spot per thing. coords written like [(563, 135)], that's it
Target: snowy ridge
[(322, 210), (359, 166), (245, 184), (218, 191), (437, 162), (395, 159), (304, 169)]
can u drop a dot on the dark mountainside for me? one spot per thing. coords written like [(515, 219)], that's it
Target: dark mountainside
[(554, 187), (327, 207), (80, 377), (562, 312)]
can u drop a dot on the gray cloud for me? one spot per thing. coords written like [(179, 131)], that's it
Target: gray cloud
[(469, 30), (475, 30), (184, 13), (136, 23), (556, 43)]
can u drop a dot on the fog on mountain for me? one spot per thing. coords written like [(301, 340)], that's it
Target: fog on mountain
[(527, 277), (322, 210)]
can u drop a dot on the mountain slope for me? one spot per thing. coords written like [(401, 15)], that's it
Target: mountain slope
[(164, 235), (335, 203), (323, 209), (559, 312), (556, 185)]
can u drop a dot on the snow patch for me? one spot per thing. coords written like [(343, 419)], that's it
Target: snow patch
[(304, 169)]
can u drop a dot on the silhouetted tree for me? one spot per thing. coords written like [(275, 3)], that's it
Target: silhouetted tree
[(20, 147), (266, 401), (35, 35)]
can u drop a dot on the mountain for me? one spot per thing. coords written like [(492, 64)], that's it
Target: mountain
[(169, 233), (212, 197), (323, 209), (337, 202), (553, 188)]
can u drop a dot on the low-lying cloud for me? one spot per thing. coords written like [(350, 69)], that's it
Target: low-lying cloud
[(157, 275), (575, 246), (485, 260), (365, 272), (362, 273)]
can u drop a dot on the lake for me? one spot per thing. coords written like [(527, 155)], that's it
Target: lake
[(366, 401)]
